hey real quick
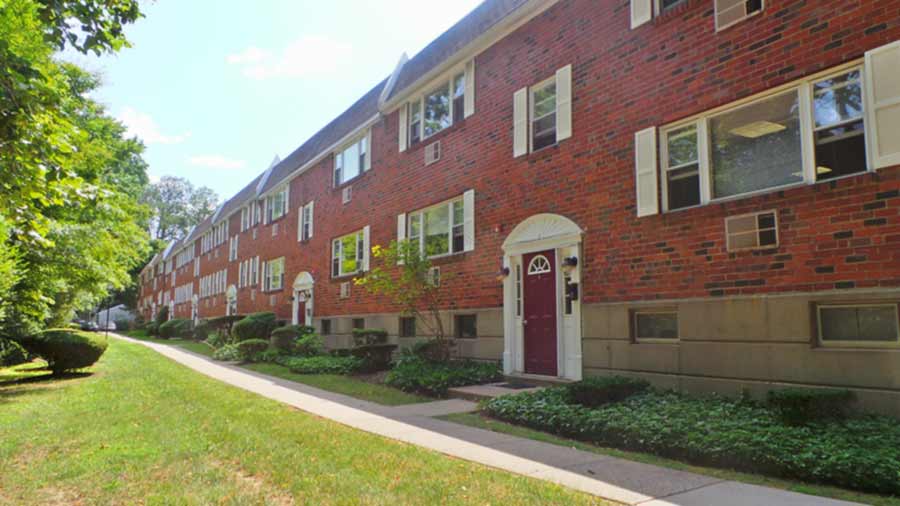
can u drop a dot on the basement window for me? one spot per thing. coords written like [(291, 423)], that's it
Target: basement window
[(407, 326), (465, 325), (856, 325), (655, 325)]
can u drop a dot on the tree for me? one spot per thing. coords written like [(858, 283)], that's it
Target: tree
[(177, 205), (403, 275)]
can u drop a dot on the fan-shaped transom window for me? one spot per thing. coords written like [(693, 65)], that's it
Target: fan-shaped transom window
[(538, 265)]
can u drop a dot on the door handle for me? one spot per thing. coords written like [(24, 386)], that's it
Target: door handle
[(524, 322)]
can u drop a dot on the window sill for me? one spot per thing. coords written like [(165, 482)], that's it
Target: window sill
[(345, 277), (857, 347), (650, 340)]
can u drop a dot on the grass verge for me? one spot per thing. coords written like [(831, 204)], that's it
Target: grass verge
[(347, 385), (144, 429), (484, 422), (194, 346)]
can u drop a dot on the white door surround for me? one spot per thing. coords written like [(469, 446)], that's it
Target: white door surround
[(303, 292), (195, 305), (538, 233), (231, 301)]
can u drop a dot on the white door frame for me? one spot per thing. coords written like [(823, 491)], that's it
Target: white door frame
[(543, 232), (303, 287), (231, 297)]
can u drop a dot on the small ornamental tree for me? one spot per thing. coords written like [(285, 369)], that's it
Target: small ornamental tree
[(402, 274)]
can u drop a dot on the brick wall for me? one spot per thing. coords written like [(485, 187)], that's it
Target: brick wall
[(841, 234)]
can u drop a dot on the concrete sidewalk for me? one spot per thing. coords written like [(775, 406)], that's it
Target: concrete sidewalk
[(616, 479)]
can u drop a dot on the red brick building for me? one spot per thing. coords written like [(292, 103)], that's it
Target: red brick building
[(705, 193)]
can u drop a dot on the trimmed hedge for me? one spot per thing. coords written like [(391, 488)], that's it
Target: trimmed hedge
[(176, 327), (597, 391), (804, 406), (415, 374), (249, 349), (861, 453), (254, 326), (323, 364), (67, 349), (366, 337), (11, 353)]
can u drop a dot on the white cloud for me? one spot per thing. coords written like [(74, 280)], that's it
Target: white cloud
[(216, 162), (307, 55), (142, 126)]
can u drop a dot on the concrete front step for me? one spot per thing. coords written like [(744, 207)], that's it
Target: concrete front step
[(489, 391)]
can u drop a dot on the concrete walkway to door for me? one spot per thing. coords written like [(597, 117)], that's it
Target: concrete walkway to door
[(616, 479)]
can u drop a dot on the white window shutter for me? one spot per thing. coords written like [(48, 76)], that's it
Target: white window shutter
[(520, 122), (469, 98), (285, 206), (401, 137), (368, 161), (645, 172), (641, 12), (365, 258), (564, 103), (883, 104), (469, 220), (312, 207), (300, 223), (401, 233)]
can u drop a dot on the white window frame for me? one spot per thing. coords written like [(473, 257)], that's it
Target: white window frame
[(531, 119), (305, 222), (270, 285), (420, 216), (447, 80), (364, 139), (660, 340), (270, 204), (337, 253), (756, 230), (857, 344), (804, 90)]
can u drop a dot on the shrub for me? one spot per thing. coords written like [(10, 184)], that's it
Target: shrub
[(597, 391), (415, 374), (162, 316), (324, 364), (804, 406), (860, 453), (436, 350), (227, 353), (176, 327), (11, 353), (365, 337), (201, 331), (123, 324), (283, 338), (375, 357), (223, 324), (216, 340), (269, 355), (67, 349), (249, 349), (152, 328), (254, 326)]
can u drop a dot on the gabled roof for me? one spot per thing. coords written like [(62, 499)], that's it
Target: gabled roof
[(246, 194), (348, 121), (171, 248), (457, 37)]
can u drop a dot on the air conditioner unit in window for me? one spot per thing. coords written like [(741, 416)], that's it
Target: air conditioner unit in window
[(345, 290), (434, 276), (274, 229), (432, 152), (347, 194)]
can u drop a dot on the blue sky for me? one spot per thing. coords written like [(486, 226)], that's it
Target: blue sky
[(215, 93)]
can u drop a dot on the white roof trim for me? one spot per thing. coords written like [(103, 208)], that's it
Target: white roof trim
[(266, 174), (389, 85)]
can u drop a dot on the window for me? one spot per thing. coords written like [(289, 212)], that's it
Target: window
[(326, 326), (839, 129), (752, 231), (407, 326), (276, 204), (438, 109), (858, 325), (439, 230), (274, 274), (664, 5), (306, 223), (759, 145), (233, 249), (347, 254), (681, 167), (465, 325), (543, 115), (351, 161), (359, 323), (729, 12), (662, 325)]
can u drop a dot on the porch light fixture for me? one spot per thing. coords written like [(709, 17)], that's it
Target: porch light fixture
[(501, 275), (569, 264)]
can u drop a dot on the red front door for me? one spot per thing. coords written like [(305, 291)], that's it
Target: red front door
[(301, 312), (539, 316)]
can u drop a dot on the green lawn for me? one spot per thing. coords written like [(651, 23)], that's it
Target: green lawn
[(347, 385), (483, 422), (195, 346), (143, 429)]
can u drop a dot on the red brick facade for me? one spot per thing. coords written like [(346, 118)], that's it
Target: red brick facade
[(833, 235)]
